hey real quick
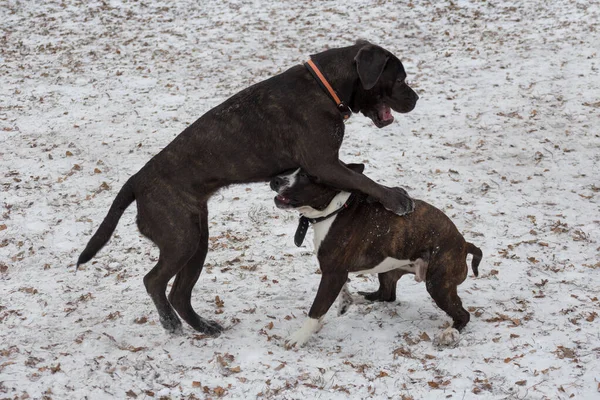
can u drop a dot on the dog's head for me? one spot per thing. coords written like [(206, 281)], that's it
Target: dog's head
[(304, 193), (382, 85)]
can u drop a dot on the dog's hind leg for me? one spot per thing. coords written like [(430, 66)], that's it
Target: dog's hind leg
[(156, 285), (446, 297), (387, 286), (176, 236), (180, 295)]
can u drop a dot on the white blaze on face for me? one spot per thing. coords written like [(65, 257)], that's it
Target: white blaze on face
[(289, 180)]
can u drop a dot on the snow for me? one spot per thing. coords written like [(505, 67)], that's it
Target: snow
[(505, 139)]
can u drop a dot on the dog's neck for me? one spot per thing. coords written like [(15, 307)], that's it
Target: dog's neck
[(338, 202), (342, 77)]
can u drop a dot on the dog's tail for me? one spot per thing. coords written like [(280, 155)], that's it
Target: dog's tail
[(125, 197), (477, 256)]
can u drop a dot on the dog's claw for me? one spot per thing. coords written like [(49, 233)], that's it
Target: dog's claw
[(293, 342), (301, 336)]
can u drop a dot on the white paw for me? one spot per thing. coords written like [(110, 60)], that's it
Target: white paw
[(301, 336), (448, 337)]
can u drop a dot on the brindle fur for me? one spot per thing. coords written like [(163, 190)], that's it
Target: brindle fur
[(284, 122), (365, 234)]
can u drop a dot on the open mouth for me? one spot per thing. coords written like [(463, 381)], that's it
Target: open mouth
[(282, 202), (382, 116)]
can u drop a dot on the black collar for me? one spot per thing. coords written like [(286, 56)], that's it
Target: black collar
[(319, 76), (304, 221)]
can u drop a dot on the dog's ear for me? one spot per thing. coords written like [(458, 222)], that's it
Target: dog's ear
[(370, 62), (356, 167)]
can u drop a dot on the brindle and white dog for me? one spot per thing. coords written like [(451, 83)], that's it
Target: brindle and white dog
[(353, 234)]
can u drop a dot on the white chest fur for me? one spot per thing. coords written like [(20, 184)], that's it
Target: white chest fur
[(320, 231), (321, 228)]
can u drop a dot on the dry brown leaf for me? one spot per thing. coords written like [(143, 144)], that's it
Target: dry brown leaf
[(402, 352), (564, 352), (28, 290), (591, 317), (279, 367)]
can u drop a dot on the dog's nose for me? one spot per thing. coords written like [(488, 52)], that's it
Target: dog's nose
[(276, 183)]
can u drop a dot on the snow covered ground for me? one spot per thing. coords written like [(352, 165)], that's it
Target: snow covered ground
[(505, 140)]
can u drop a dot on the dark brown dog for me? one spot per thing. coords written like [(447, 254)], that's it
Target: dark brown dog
[(353, 235), (285, 122)]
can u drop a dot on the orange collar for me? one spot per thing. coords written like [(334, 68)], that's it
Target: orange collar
[(322, 81)]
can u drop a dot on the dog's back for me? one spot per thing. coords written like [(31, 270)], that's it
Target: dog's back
[(368, 233)]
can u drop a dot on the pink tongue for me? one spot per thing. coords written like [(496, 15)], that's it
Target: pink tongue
[(385, 114)]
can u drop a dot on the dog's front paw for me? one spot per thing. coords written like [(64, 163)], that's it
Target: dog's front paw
[(301, 336), (296, 340), (448, 337), (398, 201)]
